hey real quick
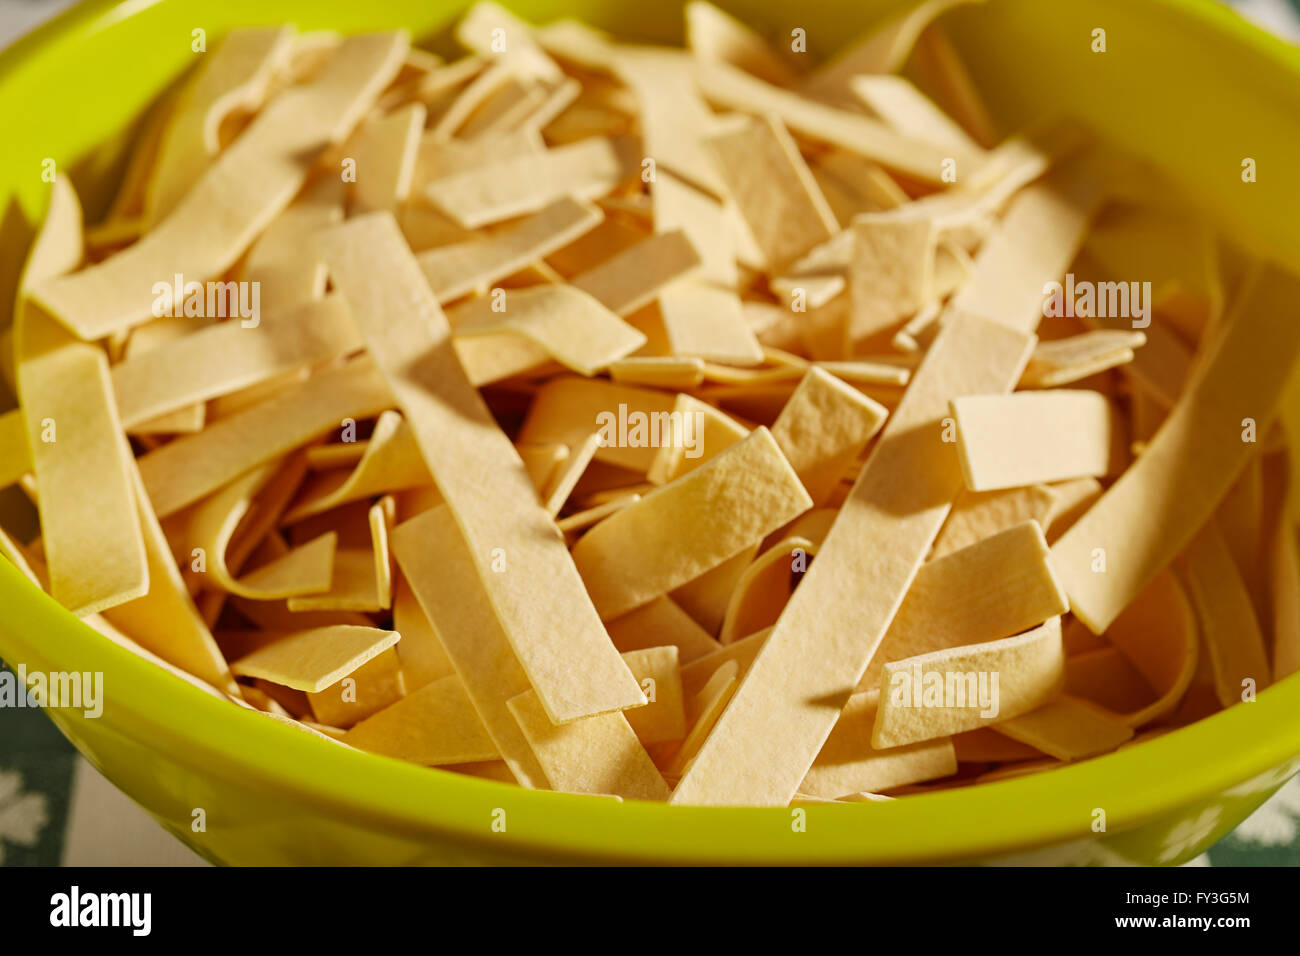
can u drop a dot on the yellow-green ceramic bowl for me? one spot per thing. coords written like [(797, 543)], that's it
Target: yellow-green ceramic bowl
[(1186, 84)]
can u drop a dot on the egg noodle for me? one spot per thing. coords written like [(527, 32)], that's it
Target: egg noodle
[(709, 426)]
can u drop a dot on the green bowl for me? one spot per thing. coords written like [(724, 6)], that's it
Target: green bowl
[(1186, 84)]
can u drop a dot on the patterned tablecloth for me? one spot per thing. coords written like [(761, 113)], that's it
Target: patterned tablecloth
[(56, 808)]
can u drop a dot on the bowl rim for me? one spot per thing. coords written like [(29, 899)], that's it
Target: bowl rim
[(1033, 811)]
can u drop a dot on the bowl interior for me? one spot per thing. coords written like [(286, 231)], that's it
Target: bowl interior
[(75, 92)]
